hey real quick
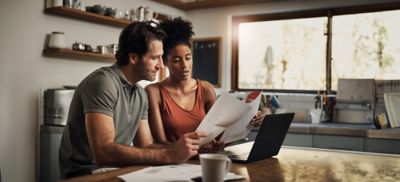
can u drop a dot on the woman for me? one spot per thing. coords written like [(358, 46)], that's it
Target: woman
[(179, 103)]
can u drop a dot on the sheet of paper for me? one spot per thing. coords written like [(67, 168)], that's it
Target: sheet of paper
[(181, 172), (226, 111), (242, 128), (392, 103)]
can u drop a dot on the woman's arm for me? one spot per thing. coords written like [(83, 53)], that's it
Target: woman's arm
[(209, 95), (155, 120)]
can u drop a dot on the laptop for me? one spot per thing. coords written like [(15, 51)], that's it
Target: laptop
[(268, 141)]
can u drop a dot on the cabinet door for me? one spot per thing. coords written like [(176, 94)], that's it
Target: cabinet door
[(300, 140), (382, 145), (338, 142)]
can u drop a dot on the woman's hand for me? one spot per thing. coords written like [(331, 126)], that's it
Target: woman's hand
[(257, 119), (213, 147)]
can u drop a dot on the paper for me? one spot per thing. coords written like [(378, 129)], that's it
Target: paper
[(181, 172), (242, 128), (226, 111), (392, 104)]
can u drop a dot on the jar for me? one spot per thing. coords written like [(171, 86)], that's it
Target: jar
[(57, 40)]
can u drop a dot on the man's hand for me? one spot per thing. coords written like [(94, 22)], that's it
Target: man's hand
[(186, 147), (212, 147)]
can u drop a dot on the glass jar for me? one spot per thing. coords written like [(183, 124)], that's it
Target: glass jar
[(57, 40)]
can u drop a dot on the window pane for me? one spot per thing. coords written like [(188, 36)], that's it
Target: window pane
[(283, 54), (366, 46)]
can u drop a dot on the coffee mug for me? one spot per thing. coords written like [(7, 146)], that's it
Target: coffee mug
[(214, 167)]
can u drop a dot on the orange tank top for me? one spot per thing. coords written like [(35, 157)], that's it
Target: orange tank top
[(178, 121)]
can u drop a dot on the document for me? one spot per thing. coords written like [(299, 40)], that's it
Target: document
[(392, 104), (242, 128), (226, 111), (181, 172)]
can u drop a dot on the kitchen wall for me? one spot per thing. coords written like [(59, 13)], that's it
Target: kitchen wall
[(24, 71)]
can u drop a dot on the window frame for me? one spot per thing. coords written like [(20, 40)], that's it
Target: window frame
[(324, 12)]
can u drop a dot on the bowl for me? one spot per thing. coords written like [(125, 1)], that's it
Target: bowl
[(110, 11), (99, 9)]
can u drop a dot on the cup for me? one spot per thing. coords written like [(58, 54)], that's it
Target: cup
[(315, 115), (140, 13), (214, 167)]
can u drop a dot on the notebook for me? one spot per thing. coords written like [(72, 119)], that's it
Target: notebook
[(268, 141)]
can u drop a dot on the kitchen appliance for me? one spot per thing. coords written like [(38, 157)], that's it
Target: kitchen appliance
[(54, 112), (56, 105), (355, 101)]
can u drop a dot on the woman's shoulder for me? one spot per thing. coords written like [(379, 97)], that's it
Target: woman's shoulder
[(153, 88), (205, 85)]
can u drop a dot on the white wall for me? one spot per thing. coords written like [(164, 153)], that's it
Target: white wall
[(217, 22), (24, 71)]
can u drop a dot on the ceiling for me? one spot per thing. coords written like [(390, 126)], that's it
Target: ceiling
[(201, 4)]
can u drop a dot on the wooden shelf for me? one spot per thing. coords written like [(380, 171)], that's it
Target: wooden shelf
[(69, 53), (79, 14)]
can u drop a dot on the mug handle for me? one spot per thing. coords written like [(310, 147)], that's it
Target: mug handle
[(228, 165), (155, 15)]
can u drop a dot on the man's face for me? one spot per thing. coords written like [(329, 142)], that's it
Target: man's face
[(151, 62)]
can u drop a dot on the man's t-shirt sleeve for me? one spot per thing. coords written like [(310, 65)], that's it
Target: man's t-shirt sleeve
[(99, 95)]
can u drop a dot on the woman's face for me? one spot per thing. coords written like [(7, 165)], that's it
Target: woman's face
[(179, 62)]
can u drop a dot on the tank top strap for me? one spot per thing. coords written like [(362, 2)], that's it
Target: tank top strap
[(199, 94)]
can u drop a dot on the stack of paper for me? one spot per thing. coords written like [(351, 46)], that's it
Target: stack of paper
[(230, 115), (392, 104)]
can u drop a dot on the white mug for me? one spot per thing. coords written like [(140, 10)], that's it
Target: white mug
[(214, 167)]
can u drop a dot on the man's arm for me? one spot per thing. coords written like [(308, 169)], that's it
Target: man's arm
[(101, 134), (144, 138)]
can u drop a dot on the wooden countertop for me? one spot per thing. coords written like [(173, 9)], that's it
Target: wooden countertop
[(359, 130), (301, 164)]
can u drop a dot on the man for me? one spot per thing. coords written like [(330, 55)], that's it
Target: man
[(109, 111)]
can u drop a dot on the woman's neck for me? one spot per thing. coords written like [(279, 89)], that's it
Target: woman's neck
[(180, 84)]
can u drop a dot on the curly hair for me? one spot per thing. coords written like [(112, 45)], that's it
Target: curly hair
[(135, 38), (179, 31)]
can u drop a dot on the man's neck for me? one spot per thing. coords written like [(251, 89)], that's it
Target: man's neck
[(129, 74)]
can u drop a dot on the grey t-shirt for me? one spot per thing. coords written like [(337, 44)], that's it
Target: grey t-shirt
[(106, 91)]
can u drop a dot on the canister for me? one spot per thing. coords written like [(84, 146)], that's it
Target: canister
[(57, 40)]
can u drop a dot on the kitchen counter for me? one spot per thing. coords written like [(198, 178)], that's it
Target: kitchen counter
[(341, 129)]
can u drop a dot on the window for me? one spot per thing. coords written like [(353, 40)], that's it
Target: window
[(286, 54), (309, 51), (366, 46)]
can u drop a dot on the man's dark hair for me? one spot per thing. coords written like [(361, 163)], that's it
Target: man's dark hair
[(135, 38), (179, 31)]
